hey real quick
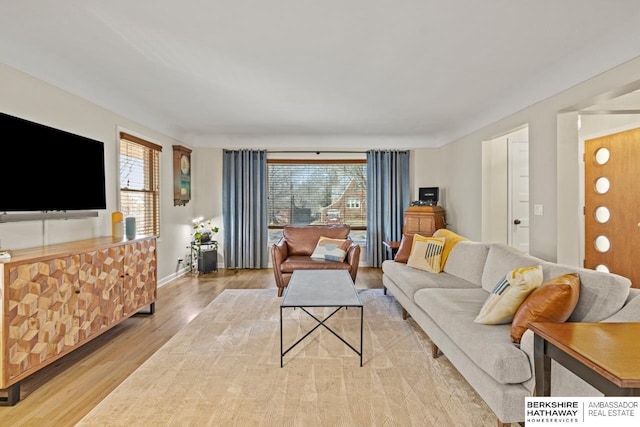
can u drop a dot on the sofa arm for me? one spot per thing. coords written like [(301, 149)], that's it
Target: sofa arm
[(526, 345), (353, 259)]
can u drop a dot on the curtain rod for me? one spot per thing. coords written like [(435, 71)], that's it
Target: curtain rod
[(315, 151)]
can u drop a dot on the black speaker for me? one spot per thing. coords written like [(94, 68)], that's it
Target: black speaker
[(208, 261), (429, 195)]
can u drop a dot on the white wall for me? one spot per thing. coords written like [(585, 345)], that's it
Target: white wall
[(424, 165), (461, 178), (494, 190), (24, 96), (461, 165)]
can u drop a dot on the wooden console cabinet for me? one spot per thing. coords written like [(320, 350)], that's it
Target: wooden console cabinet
[(424, 220), (56, 298)]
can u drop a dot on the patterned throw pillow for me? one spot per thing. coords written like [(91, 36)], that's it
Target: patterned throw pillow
[(426, 253), (553, 302), (508, 294), (331, 249)]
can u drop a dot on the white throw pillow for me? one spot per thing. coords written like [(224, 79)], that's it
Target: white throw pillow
[(508, 294), (331, 249)]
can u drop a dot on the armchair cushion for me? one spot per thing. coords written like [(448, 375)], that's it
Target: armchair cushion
[(302, 240)]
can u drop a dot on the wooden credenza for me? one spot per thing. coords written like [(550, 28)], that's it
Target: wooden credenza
[(56, 298), (424, 220)]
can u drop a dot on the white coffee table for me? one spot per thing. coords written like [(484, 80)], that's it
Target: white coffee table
[(320, 288)]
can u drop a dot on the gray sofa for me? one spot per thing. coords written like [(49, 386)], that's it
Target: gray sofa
[(445, 305)]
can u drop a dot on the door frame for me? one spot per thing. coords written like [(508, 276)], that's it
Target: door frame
[(510, 197)]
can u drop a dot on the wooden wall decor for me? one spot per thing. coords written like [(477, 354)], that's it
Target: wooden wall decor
[(181, 175)]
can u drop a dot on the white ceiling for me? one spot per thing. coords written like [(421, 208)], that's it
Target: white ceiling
[(418, 70)]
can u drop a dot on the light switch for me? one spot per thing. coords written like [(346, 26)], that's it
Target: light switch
[(538, 210)]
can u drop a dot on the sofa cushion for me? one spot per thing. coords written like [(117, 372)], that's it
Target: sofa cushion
[(409, 280), (631, 310), (451, 240), (553, 301), (601, 294), (508, 294), (331, 249), (502, 259), (302, 239), (301, 262), (466, 260), (426, 253), (489, 346), (405, 249)]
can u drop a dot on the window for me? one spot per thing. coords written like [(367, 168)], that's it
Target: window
[(353, 204), (140, 183), (304, 192)]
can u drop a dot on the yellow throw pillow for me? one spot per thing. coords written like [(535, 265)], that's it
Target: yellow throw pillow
[(508, 294), (426, 253), (451, 239)]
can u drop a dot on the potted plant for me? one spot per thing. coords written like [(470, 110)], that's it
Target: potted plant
[(203, 233)]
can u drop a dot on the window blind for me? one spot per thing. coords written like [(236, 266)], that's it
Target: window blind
[(140, 183), (309, 192)]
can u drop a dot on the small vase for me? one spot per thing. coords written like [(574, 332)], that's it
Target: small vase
[(130, 227)]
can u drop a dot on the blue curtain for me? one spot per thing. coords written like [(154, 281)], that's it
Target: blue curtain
[(244, 208), (388, 197)]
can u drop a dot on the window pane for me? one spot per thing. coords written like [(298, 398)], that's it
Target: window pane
[(317, 193), (139, 183)]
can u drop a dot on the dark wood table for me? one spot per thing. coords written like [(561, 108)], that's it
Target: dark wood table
[(605, 355), (392, 246)]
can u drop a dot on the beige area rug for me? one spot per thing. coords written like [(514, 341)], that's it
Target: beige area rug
[(223, 369)]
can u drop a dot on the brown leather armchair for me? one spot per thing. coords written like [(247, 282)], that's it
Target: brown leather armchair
[(293, 252)]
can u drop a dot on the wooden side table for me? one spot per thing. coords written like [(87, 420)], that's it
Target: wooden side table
[(605, 355), (392, 247)]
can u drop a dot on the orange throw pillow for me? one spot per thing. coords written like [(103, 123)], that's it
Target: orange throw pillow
[(552, 302), (405, 249)]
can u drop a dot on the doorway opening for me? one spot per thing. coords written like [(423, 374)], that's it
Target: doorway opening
[(505, 189), (610, 114)]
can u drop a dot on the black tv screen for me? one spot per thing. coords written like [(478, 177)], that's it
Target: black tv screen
[(48, 169)]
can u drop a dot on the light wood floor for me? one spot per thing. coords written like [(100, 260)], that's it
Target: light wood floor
[(64, 392)]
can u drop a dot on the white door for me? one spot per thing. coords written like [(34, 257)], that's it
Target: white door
[(518, 194)]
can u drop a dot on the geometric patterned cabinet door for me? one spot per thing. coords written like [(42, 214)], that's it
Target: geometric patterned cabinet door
[(59, 297), (139, 288)]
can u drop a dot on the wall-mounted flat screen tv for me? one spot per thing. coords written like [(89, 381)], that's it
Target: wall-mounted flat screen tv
[(48, 169)]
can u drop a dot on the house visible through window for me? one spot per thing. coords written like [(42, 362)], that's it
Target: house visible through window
[(314, 192), (353, 203), (140, 183)]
